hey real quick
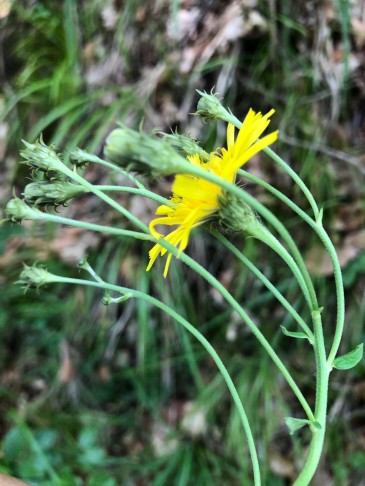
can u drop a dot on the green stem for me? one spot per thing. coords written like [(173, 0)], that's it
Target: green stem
[(52, 218), (138, 192), (245, 317), (205, 343), (270, 240), (319, 429), (207, 276), (77, 178), (279, 296), (321, 232), (264, 212), (86, 157)]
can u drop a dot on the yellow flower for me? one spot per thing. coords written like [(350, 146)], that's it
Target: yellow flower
[(195, 200)]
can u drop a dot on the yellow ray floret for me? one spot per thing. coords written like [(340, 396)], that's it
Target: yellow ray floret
[(195, 200)]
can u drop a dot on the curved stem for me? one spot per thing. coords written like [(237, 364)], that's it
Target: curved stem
[(208, 277), (205, 343), (265, 213), (91, 188), (245, 317), (52, 218), (321, 232), (270, 240), (82, 155), (227, 244), (138, 192)]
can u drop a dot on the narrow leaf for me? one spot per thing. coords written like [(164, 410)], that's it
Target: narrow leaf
[(349, 360), (320, 217), (295, 424), (294, 334)]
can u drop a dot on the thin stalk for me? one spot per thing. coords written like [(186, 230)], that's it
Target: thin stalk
[(137, 191), (279, 296), (52, 218), (189, 327), (77, 178), (321, 232), (272, 242), (257, 206), (208, 276), (318, 433), (84, 156)]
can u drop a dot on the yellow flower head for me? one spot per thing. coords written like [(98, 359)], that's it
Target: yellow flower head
[(195, 200)]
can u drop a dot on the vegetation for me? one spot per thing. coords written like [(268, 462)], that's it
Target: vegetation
[(120, 394)]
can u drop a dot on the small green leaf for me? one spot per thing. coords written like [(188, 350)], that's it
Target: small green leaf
[(320, 217), (294, 334), (295, 424), (349, 360)]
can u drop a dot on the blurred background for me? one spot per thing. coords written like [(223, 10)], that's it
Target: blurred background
[(121, 395)]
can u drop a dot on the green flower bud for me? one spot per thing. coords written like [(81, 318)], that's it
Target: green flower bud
[(59, 192), (142, 153), (41, 157), (185, 144), (36, 276), (209, 106), (237, 216), (16, 210)]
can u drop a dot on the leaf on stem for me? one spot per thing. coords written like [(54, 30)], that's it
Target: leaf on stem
[(295, 424), (349, 360), (294, 334)]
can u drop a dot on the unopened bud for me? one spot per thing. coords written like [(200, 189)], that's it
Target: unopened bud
[(36, 276), (142, 153), (209, 106), (16, 210), (185, 145), (235, 215), (42, 157), (59, 192)]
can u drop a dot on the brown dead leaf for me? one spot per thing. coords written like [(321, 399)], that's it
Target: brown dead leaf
[(5, 8), (109, 16), (11, 481), (217, 34), (358, 31), (72, 243), (319, 262), (66, 372), (184, 26), (194, 420), (281, 466)]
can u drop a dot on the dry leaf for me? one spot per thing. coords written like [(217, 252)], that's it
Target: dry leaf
[(66, 373), (72, 243), (11, 481), (194, 420), (5, 7), (319, 262), (281, 466)]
